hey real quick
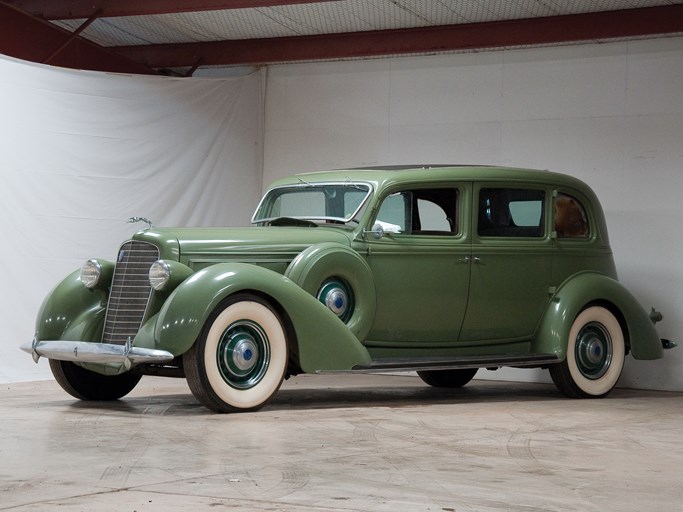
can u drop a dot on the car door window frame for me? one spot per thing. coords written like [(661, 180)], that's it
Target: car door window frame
[(457, 231), (497, 238)]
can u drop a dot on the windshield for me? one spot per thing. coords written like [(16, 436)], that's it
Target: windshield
[(324, 202)]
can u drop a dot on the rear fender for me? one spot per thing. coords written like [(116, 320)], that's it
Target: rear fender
[(324, 342), (589, 287)]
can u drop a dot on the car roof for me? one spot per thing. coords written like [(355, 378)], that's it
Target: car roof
[(382, 176)]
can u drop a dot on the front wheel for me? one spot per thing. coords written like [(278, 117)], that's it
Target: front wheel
[(595, 355), (447, 378), (240, 359), (86, 385)]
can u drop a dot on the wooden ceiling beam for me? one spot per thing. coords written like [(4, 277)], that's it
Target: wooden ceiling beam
[(511, 33), (76, 9)]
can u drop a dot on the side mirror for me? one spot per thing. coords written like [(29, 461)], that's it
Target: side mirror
[(377, 231)]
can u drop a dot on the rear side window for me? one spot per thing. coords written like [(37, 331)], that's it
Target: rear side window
[(511, 212), (571, 220)]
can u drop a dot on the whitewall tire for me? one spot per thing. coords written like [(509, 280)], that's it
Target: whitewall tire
[(240, 360), (595, 355)]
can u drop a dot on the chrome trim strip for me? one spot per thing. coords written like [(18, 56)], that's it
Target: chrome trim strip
[(668, 344), (451, 363), (93, 352)]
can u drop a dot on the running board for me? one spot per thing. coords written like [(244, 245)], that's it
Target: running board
[(454, 363)]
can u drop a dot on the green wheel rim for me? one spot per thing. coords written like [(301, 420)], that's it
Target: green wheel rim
[(243, 354), (337, 295), (593, 350)]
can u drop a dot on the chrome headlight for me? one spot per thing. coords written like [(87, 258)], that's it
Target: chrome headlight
[(159, 275), (90, 273)]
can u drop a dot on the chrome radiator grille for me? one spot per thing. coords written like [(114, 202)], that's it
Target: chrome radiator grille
[(130, 292)]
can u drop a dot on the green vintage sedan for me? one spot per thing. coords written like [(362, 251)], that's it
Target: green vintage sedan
[(441, 270)]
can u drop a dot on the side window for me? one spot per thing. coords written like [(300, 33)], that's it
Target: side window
[(432, 217), (511, 212), (420, 212), (570, 218), (394, 214)]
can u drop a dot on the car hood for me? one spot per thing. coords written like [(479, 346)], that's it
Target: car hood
[(243, 244)]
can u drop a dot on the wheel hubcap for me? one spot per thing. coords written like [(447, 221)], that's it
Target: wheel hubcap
[(337, 296), (593, 350), (243, 354)]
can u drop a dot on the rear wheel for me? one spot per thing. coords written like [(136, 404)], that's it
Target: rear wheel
[(595, 355), (240, 359), (86, 385), (448, 378)]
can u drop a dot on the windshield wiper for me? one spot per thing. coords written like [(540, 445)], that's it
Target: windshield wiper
[(353, 184)]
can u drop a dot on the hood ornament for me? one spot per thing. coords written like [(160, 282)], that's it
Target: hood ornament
[(135, 220)]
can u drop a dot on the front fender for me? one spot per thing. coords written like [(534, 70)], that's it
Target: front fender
[(71, 311), (583, 289), (324, 342)]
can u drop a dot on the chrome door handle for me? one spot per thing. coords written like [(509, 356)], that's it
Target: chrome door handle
[(476, 259)]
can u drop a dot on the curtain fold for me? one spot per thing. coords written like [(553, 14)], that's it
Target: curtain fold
[(81, 152)]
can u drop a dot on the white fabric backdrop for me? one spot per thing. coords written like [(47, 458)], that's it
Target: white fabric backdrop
[(81, 152)]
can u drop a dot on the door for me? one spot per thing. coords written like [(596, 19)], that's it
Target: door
[(421, 266), (511, 263)]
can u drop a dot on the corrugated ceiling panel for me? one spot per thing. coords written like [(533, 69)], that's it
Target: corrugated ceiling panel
[(328, 17)]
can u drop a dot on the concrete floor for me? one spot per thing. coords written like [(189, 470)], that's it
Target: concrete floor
[(342, 443)]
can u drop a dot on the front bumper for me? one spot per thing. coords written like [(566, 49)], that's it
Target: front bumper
[(90, 352)]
